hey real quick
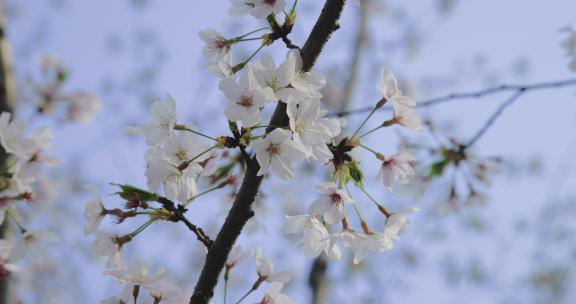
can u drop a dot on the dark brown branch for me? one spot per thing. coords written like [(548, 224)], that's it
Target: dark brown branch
[(178, 215), (475, 94), (241, 210), (6, 105)]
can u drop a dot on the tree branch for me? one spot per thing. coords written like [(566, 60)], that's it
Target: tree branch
[(178, 212), (475, 94), (241, 210), (6, 104), (508, 102)]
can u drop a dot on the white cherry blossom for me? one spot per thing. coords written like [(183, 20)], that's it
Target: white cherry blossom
[(273, 295), (316, 238), (396, 169), (107, 245), (311, 129), (277, 78), (262, 8), (309, 83), (237, 256), (406, 116), (13, 140), (266, 272), (363, 244), (388, 86), (276, 152), (34, 245), (136, 274), (163, 119), (222, 68), (6, 265), (331, 204), (246, 99), (185, 146), (179, 184), (398, 222), (217, 46), (94, 212), (240, 7)]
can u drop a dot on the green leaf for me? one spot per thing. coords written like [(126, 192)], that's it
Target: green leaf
[(438, 168), (356, 173), (130, 192)]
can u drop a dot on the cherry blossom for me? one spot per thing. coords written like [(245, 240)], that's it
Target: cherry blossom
[(266, 272), (273, 295), (94, 212), (570, 46), (363, 244), (179, 184), (277, 78), (388, 86), (6, 266), (311, 129), (108, 245), (237, 256), (221, 68), (13, 141), (163, 119), (316, 238), (136, 274), (276, 152), (246, 99), (240, 7), (34, 245), (331, 204), (217, 46), (262, 8), (406, 116), (398, 222), (396, 169), (308, 83)]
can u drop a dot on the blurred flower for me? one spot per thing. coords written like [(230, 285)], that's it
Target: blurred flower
[(406, 116), (5, 265), (107, 245), (94, 212), (315, 234), (33, 245)]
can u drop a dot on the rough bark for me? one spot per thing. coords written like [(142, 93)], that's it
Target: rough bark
[(241, 210), (6, 100)]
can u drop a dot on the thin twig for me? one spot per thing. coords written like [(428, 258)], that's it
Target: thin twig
[(475, 94), (508, 102), (178, 212)]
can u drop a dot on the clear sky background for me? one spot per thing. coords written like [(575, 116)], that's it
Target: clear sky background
[(479, 44)]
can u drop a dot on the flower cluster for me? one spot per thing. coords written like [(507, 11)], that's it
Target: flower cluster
[(23, 158), (570, 46), (79, 105), (179, 155)]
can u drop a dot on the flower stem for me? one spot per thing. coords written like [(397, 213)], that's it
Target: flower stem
[(184, 128), (141, 228), (239, 38), (364, 122), (384, 124), (190, 200), (369, 149)]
